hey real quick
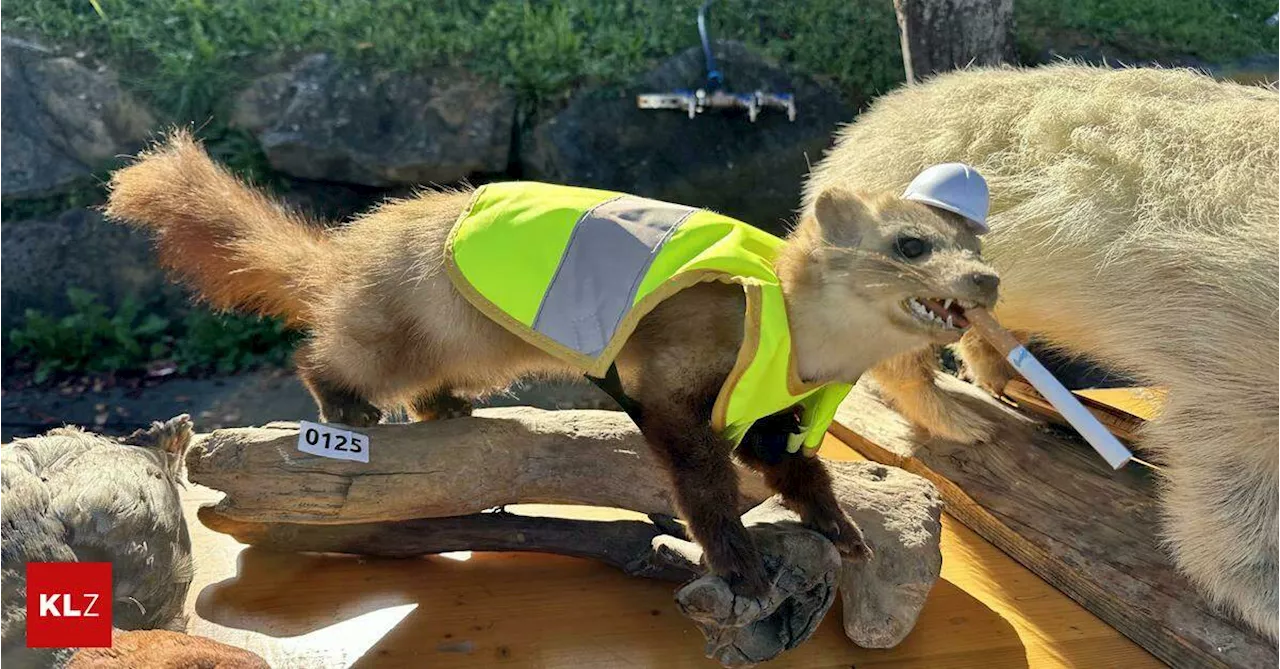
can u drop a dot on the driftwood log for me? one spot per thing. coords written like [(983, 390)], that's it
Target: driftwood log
[(1045, 498), (432, 487)]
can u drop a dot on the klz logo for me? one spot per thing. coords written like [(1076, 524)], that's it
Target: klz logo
[(68, 604)]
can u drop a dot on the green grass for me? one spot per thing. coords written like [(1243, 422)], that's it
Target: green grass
[(189, 55), (93, 338), (1211, 30), (188, 58)]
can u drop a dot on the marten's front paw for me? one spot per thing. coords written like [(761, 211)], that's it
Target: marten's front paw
[(941, 415), (841, 531), (737, 562), (991, 380), (748, 581)]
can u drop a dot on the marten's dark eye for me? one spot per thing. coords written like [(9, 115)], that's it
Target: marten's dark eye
[(911, 248)]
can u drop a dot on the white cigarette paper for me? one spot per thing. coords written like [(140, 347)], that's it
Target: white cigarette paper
[(1088, 425)]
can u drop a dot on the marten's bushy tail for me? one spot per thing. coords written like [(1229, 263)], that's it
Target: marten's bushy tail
[(238, 248)]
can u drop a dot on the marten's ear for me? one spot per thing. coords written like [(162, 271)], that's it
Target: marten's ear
[(843, 216)]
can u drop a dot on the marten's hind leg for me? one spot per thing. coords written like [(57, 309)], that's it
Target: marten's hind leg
[(337, 402), (439, 404)]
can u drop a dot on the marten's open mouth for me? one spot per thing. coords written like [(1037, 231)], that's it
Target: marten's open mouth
[(947, 314)]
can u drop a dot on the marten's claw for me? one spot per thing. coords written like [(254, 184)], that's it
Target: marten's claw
[(360, 414), (750, 583), (845, 535)]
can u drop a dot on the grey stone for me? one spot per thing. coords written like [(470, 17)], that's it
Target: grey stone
[(900, 517), (41, 259), (330, 203), (328, 121), (73, 496), (61, 121), (719, 160)]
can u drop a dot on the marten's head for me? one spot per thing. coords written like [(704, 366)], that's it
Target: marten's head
[(887, 267)]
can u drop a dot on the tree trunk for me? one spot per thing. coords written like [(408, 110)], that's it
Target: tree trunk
[(942, 35)]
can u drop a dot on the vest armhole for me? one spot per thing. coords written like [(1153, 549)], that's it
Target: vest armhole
[(746, 354)]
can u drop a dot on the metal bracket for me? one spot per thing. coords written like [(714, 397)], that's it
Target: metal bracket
[(711, 97), (697, 102)]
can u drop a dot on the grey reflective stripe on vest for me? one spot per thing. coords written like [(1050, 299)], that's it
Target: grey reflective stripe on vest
[(609, 251)]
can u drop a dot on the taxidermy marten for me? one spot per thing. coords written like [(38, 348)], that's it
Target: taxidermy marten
[(1134, 223), (864, 277)]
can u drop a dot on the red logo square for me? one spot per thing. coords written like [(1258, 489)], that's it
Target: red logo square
[(68, 604)]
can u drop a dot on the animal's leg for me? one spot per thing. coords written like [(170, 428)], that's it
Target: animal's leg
[(983, 364), (439, 404), (706, 487), (337, 402), (805, 486), (907, 382)]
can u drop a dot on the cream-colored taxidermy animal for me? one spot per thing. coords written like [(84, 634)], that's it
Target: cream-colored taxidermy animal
[(388, 327), (1134, 222)]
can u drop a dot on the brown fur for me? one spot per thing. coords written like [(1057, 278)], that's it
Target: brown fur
[(387, 326)]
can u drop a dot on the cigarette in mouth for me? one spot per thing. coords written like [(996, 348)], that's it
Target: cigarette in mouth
[(1084, 422)]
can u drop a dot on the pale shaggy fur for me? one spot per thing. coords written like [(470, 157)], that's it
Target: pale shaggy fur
[(1134, 221)]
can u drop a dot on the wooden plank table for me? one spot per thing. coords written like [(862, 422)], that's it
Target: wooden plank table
[(519, 610)]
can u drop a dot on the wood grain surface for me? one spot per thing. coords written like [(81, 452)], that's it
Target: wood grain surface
[(1049, 501)]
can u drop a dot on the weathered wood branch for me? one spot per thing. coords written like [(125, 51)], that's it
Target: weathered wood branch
[(441, 468), (426, 482), (624, 544), (1052, 504), (942, 35)]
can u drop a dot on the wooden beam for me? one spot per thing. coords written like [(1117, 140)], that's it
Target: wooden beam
[(942, 35), (1052, 504), (441, 468), (1124, 425)]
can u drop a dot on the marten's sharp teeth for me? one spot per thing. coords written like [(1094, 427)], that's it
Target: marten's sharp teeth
[(946, 304)]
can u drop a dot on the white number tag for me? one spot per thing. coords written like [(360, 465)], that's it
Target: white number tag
[(331, 442)]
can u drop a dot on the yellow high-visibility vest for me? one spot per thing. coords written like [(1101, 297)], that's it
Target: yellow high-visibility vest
[(573, 270)]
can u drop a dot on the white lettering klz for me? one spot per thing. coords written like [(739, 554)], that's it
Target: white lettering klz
[(49, 607)]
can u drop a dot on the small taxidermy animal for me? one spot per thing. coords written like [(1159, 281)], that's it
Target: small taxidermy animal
[(707, 325)]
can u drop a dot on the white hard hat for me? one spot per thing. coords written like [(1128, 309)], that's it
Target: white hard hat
[(955, 187)]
